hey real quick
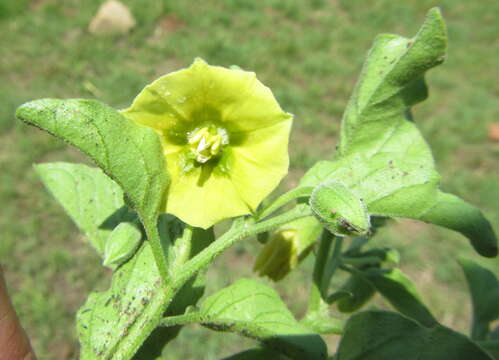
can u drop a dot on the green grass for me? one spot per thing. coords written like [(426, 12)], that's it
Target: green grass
[(309, 53)]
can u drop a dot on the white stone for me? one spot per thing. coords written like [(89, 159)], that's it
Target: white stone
[(113, 17)]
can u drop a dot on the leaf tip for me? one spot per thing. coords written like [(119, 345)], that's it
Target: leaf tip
[(23, 110), (435, 22), (38, 169), (435, 18), (484, 240), (28, 111), (491, 251), (435, 12)]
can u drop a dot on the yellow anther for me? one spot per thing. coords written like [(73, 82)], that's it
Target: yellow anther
[(204, 144), (197, 136), (215, 147)]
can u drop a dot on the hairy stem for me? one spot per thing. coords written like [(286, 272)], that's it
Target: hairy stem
[(157, 249), (182, 248), (332, 264), (238, 232), (181, 319), (284, 199), (315, 298)]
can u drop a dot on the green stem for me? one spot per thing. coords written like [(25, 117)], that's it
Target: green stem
[(315, 298), (332, 264), (238, 232), (184, 319), (182, 248), (157, 249), (284, 199)]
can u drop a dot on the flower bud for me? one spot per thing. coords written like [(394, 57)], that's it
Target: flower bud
[(340, 210), (121, 244), (287, 247)]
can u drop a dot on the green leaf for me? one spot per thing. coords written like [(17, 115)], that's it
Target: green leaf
[(121, 244), (484, 290), (117, 323), (359, 291), (402, 294), (187, 296), (492, 345), (92, 200), (129, 153), (255, 310), (382, 335), (453, 213), (390, 82), (382, 158), (113, 324), (321, 322)]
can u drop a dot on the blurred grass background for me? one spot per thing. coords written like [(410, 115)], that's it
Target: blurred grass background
[(309, 53)]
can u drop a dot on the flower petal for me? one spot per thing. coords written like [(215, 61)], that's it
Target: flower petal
[(260, 162), (206, 93), (245, 103), (200, 198)]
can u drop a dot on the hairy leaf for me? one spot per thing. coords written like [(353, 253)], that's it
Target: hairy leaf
[(129, 153), (256, 310), (382, 335), (92, 200), (117, 323), (113, 324), (391, 81), (382, 157)]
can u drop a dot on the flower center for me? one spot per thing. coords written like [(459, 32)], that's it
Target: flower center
[(207, 142)]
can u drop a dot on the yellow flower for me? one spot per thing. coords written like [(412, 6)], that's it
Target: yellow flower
[(287, 247), (224, 137)]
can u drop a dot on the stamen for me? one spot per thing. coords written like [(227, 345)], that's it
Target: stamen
[(202, 144), (206, 143), (198, 136), (215, 147)]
